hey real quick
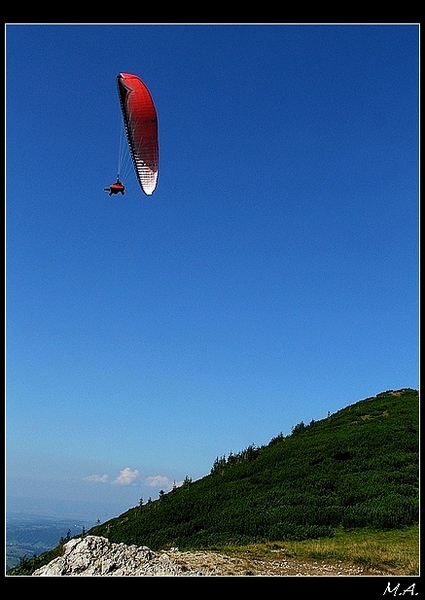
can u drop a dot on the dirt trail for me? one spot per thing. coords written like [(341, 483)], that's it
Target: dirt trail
[(216, 564)]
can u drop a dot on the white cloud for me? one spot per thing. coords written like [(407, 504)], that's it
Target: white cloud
[(127, 476), (159, 481), (97, 478)]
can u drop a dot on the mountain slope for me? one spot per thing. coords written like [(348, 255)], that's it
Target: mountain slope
[(357, 468)]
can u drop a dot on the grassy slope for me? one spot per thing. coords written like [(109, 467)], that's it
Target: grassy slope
[(357, 468)]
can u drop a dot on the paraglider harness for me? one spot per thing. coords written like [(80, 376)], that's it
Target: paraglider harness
[(115, 188)]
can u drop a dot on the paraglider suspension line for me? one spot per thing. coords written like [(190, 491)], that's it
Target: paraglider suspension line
[(120, 152)]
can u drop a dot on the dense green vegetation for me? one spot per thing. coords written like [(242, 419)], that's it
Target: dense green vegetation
[(358, 468)]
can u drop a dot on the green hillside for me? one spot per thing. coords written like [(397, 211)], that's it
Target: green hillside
[(357, 468)]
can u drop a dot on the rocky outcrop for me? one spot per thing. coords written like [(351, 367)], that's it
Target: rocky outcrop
[(93, 556)]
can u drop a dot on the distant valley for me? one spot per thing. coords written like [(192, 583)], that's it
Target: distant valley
[(30, 535)]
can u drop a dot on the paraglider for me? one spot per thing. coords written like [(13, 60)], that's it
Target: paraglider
[(115, 188), (141, 128)]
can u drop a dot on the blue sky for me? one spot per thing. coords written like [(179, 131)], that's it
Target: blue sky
[(271, 278)]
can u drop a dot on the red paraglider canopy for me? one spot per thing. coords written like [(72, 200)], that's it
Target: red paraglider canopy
[(141, 126)]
